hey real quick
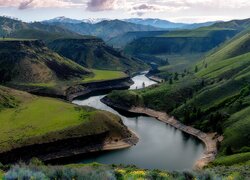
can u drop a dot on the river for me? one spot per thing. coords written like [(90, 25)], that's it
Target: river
[(160, 146)]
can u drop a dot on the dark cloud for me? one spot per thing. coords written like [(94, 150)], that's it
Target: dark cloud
[(25, 4), (100, 5), (145, 7)]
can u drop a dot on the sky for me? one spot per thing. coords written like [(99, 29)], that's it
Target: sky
[(188, 11)]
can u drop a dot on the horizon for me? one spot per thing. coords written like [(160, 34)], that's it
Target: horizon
[(110, 19), (179, 11)]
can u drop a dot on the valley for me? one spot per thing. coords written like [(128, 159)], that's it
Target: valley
[(145, 98)]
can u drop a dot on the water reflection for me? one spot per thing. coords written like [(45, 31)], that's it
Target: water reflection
[(161, 146)]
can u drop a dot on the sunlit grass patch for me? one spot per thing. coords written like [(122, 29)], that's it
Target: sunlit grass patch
[(101, 75)]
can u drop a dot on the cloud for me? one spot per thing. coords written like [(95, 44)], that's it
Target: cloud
[(146, 7), (101, 5), (141, 9), (25, 4)]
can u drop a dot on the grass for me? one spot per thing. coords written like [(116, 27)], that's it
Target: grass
[(40, 119), (214, 99), (201, 32), (16, 39), (237, 130), (240, 158), (1, 175), (47, 85), (25, 121), (222, 67), (102, 75)]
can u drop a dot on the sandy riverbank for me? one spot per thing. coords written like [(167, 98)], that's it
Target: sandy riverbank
[(210, 140)]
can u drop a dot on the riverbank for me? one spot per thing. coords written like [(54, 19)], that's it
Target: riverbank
[(155, 78), (66, 129), (210, 140), (71, 90), (66, 156), (86, 89)]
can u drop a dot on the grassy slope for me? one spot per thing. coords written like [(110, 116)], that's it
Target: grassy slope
[(94, 53), (241, 158), (181, 42), (102, 75), (1, 174), (32, 62), (216, 98), (181, 48), (21, 125)]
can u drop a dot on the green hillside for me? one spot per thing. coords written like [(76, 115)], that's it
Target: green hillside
[(42, 35), (181, 42), (94, 53), (213, 96), (32, 62), (126, 38), (21, 115), (102, 75)]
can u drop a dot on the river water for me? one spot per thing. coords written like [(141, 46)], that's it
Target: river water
[(160, 146)]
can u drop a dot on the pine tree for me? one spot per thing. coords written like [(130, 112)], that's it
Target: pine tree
[(196, 69), (170, 81)]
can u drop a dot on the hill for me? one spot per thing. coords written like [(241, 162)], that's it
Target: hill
[(122, 40), (17, 29), (180, 42), (180, 48), (94, 53), (234, 24), (213, 96), (104, 29), (23, 136), (160, 23), (28, 61)]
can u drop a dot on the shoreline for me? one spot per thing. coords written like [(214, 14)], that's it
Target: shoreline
[(59, 156), (156, 79), (107, 146), (210, 140)]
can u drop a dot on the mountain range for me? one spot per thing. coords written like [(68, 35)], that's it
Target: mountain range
[(158, 23), (108, 29)]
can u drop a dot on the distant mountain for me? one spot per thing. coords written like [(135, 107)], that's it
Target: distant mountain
[(17, 29), (94, 20), (234, 24), (8, 25), (63, 19), (167, 24), (106, 29)]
